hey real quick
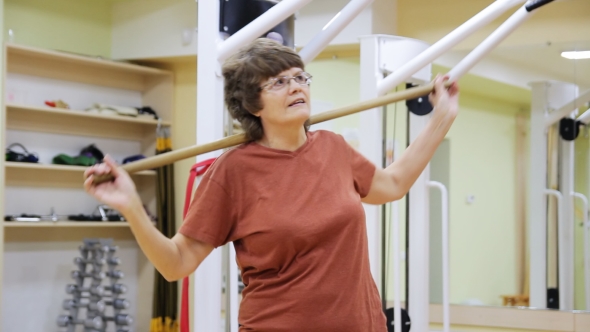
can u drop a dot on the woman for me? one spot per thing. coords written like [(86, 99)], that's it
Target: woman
[(289, 200)]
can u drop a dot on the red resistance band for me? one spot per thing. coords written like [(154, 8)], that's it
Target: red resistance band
[(198, 169)]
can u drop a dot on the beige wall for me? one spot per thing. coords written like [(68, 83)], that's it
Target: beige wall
[(67, 25)]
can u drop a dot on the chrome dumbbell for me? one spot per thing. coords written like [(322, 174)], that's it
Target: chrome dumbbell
[(109, 248), (93, 323), (121, 319), (116, 288), (118, 304), (115, 274), (114, 261), (98, 306), (95, 261), (96, 290), (94, 275)]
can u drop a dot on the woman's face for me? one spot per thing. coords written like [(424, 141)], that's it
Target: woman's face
[(285, 101)]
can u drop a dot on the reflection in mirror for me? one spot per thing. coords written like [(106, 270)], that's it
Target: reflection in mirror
[(485, 164)]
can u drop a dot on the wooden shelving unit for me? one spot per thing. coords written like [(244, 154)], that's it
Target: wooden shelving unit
[(77, 224), (152, 87)]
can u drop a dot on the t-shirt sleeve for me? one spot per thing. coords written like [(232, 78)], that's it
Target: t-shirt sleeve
[(210, 217), (363, 170)]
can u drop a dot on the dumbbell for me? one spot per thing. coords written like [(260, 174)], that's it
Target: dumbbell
[(115, 274), (97, 290), (93, 323), (95, 261), (116, 288), (93, 306), (109, 248), (118, 304), (114, 261), (94, 275), (120, 319)]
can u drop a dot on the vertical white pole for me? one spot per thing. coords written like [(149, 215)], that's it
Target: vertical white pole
[(397, 303), (377, 53), (537, 203), (566, 227), (371, 140), (207, 279), (418, 252), (445, 252)]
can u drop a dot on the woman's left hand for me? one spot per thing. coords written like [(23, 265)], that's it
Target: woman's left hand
[(444, 100)]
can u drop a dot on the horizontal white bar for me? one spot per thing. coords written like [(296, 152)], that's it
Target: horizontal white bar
[(570, 107), (489, 43), (332, 29), (456, 36), (259, 26)]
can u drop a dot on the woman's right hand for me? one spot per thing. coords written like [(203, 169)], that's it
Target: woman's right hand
[(120, 193)]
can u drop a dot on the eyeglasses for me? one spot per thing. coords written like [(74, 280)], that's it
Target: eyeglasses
[(278, 83)]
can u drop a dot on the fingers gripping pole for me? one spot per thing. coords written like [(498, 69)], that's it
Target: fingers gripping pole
[(173, 156)]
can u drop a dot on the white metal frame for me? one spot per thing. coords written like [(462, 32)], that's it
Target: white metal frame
[(210, 126), (551, 102), (445, 253), (563, 99), (373, 64)]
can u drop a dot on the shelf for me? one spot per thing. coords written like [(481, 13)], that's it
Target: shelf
[(70, 231), (58, 176), (72, 122), (85, 69), (60, 168), (77, 224)]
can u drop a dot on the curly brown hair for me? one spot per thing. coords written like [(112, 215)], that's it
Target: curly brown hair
[(245, 71)]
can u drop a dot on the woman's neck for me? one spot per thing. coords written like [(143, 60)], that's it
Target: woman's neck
[(283, 139)]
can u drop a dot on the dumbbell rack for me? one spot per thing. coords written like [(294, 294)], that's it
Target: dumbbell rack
[(92, 299)]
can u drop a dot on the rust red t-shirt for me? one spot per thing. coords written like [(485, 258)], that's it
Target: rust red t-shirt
[(298, 226)]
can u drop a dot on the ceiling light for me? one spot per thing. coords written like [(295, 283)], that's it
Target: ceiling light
[(576, 55)]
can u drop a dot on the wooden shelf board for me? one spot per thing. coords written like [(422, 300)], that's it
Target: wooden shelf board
[(37, 224), (14, 49), (84, 114), (79, 123), (58, 168)]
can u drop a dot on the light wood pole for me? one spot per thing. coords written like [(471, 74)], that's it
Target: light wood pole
[(192, 151)]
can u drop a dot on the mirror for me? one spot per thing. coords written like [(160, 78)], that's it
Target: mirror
[(484, 162)]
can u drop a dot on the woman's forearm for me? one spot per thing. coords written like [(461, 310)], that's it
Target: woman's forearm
[(406, 170), (159, 249)]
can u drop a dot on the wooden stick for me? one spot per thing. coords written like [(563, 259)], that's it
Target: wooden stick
[(192, 151)]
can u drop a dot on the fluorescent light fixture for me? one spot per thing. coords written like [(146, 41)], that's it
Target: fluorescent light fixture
[(575, 55)]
